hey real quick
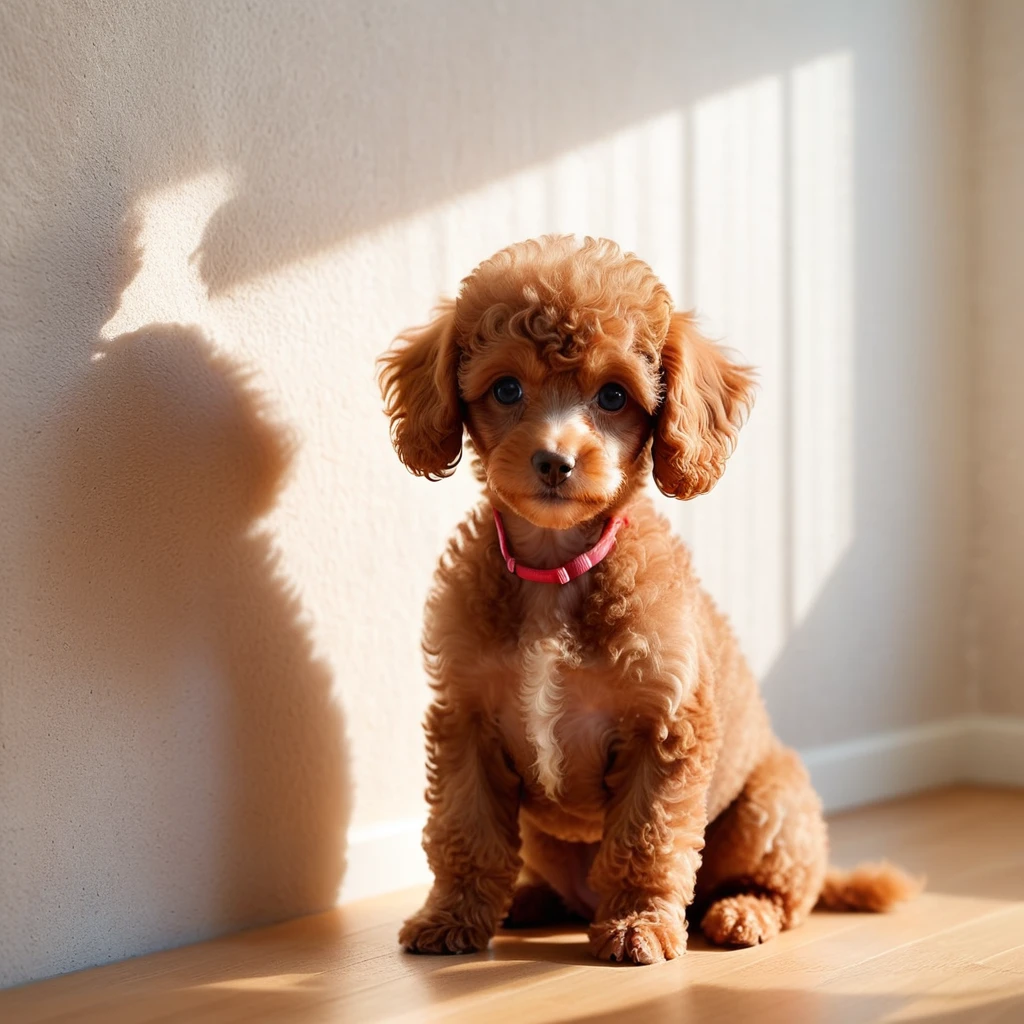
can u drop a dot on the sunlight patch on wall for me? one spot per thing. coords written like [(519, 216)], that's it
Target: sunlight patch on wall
[(821, 191), (627, 186), (737, 281), (768, 264), (167, 287)]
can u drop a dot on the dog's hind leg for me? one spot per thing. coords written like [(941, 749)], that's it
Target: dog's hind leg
[(765, 856)]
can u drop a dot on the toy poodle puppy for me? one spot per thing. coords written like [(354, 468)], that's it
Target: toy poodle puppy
[(597, 746)]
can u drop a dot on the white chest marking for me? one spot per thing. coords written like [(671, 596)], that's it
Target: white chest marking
[(541, 700)]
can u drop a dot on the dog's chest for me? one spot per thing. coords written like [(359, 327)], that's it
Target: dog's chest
[(562, 724)]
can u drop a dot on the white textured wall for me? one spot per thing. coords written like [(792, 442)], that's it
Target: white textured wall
[(212, 218), (998, 345)]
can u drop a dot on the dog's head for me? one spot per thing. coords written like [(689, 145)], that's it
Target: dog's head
[(571, 374)]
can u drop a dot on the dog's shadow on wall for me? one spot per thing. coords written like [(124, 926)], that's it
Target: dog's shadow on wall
[(167, 460)]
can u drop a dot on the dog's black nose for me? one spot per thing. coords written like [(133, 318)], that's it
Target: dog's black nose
[(553, 467)]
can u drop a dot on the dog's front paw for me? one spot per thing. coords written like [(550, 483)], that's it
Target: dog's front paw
[(640, 938), (434, 930)]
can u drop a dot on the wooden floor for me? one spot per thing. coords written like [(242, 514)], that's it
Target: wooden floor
[(956, 954)]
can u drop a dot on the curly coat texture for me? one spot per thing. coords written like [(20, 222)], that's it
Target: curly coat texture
[(596, 750)]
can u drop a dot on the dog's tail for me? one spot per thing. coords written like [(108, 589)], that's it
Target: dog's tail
[(874, 888)]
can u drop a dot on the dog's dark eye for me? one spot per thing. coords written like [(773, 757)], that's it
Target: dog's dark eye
[(611, 397), (508, 391)]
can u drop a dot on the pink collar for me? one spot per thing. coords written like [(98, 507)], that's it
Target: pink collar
[(577, 567)]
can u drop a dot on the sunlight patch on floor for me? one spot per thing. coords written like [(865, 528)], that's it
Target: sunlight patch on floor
[(264, 983)]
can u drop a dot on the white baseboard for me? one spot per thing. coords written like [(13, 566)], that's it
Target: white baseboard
[(384, 857), (887, 765), (994, 750), (973, 748)]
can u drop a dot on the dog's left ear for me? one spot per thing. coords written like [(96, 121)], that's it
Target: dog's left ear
[(705, 401), (419, 382)]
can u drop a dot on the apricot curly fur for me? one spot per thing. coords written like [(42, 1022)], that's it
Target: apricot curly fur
[(418, 381), (597, 750)]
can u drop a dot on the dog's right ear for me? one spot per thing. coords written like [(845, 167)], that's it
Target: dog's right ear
[(419, 381)]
